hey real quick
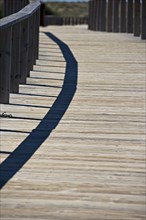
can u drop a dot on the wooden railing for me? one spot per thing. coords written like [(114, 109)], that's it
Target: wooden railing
[(126, 16), (19, 36), (57, 20)]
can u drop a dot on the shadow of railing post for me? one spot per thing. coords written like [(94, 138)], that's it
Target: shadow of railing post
[(15, 161)]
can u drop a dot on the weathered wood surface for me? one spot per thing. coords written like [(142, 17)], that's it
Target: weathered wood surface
[(92, 165)]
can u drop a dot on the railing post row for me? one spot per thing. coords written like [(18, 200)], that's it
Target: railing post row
[(118, 16), (19, 34), (57, 20)]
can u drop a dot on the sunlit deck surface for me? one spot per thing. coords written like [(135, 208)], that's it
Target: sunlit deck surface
[(74, 148)]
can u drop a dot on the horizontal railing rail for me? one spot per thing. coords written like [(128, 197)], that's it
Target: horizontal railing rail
[(19, 34), (124, 16)]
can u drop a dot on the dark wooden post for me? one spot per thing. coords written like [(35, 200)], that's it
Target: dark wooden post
[(103, 15), (97, 15), (15, 60), (5, 63), (33, 40), (30, 46), (79, 20), (64, 21), (42, 14), (86, 20), (116, 15), (130, 16), (73, 21), (136, 26), (109, 16), (37, 19), (89, 12), (61, 21), (24, 51), (94, 14), (143, 29), (68, 20), (123, 16)]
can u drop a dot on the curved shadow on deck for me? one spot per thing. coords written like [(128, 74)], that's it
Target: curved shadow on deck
[(26, 149)]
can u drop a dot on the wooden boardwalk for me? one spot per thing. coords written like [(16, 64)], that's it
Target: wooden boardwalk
[(75, 145)]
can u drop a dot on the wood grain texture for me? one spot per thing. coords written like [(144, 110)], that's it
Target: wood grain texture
[(92, 165)]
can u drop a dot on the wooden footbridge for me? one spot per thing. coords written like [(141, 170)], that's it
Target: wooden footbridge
[(73, 137)]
